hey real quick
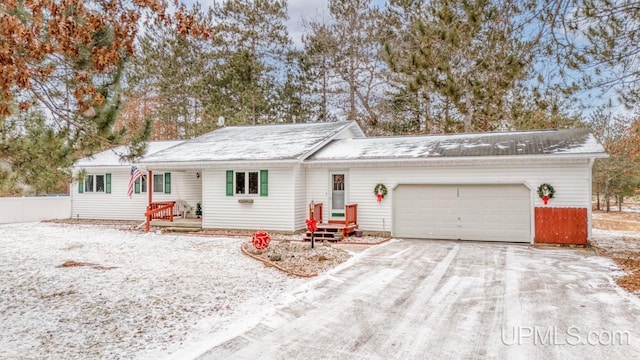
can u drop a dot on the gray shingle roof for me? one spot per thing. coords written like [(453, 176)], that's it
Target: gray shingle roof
[(254, 143), (546, 142), (112, 157)]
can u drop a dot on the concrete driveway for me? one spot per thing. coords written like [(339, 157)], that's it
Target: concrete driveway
[(412, 299)]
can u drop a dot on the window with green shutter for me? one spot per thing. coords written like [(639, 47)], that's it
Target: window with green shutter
[(107, 178), (264, 182), (136, 186), (229, 182), (80, 186)]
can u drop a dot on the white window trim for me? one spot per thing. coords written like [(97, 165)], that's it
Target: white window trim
[(95, 183), (246, 183), (155, 191)]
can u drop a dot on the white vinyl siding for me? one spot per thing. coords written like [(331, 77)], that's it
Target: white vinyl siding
[(118, 206), (571, 181), (273, 212), (301, 205), (317, 184)]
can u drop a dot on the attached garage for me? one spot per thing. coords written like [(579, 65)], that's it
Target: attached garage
[(463, 212), (483, 187)]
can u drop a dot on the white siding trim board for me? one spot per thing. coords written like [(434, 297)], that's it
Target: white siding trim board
[(469, 161)]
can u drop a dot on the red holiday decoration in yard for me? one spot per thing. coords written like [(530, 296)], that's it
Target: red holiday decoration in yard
[(312, 225), (260, 240)]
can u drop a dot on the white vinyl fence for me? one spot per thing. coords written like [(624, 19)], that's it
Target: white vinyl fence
[(28, 209)]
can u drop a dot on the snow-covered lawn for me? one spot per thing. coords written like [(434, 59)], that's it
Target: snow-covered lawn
[(164, 294)]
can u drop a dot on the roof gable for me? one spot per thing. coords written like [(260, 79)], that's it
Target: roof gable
[(243, 143), (547, 142), (113, 157)]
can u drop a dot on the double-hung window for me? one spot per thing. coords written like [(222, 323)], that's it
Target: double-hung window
[(247, 182), (95, 183), (161, 184)]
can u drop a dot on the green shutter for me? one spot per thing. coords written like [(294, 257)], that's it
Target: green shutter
[(167, 183), (107, 183), (229, 182), (264, 182), (136, 186), (80, 186)]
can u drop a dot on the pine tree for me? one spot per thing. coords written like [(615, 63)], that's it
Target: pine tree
[(251, 45), (463, 58)]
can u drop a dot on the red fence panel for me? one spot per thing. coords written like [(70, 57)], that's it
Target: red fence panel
[(561, 225)]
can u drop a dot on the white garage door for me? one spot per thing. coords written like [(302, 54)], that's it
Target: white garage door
[(464, 212)]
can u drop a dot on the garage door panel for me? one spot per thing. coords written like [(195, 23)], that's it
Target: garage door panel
[(468, 212)]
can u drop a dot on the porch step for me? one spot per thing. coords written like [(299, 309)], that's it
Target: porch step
[(178, 223), (323, 236), (183, 229)]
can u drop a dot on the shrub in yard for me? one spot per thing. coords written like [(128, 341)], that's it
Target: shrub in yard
[(275, 257)]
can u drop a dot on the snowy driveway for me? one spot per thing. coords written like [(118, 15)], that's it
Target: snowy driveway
[(428, 299)]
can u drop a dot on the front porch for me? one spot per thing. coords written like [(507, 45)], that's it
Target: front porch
[(169, 215)]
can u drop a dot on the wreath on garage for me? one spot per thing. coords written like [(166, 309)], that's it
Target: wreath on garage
[(381, 191), (546, 192)]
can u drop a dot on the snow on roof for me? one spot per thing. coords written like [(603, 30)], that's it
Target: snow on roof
[(264, 142), (570, 141), (112, 157)]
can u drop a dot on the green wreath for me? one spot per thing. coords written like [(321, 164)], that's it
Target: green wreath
[(546, 190), (380, 189)]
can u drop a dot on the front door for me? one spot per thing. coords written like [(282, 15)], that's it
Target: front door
[(337, 194)]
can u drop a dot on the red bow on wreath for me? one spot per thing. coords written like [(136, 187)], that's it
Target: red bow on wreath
[(312, 225)]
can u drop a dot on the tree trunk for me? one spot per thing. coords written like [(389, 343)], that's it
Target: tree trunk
[(598, 201), (619, 199)]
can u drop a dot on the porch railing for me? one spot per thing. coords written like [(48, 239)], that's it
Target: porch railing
[(351, 214), (317, 212), (159, 210)]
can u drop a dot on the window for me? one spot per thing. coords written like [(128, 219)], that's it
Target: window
[(143, 182), (141, 185), (99, 183), (88, 183), (161, 184), (247, 183), (96, 183), (240, 182), (253, 182), (158, 183)]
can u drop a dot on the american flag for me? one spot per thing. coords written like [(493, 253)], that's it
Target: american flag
[(135, 175)]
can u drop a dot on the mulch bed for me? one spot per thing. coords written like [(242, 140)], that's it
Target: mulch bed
[(298, 259)]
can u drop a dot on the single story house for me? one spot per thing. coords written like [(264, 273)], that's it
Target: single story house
[(102, 192), (485, 186)]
